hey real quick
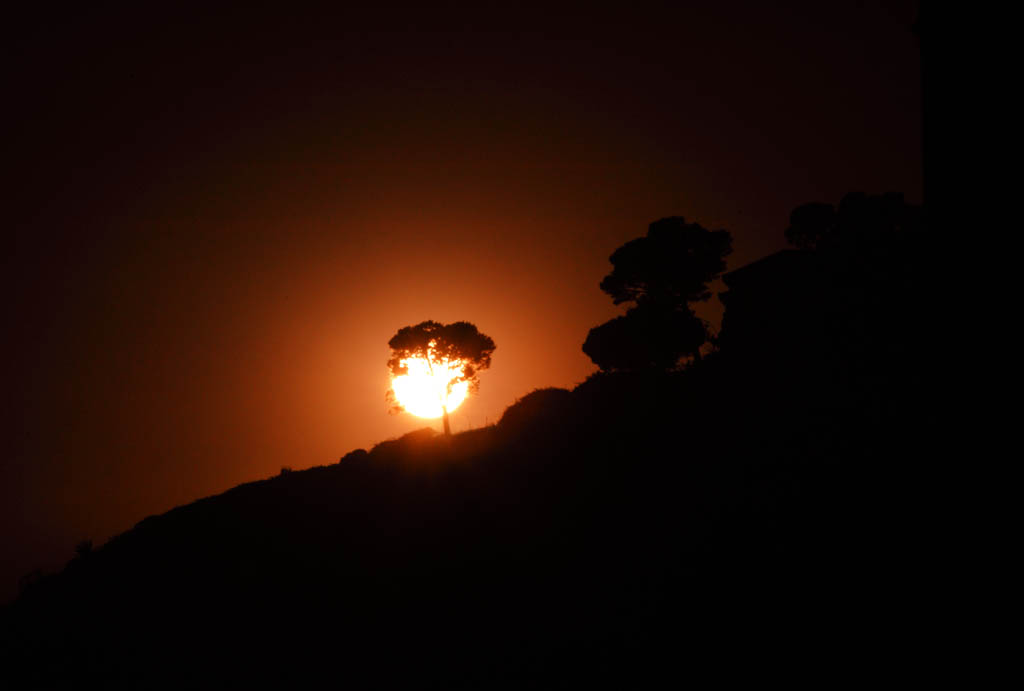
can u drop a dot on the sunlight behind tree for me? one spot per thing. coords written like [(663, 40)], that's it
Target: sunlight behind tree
[(435, 366), (424, 390)]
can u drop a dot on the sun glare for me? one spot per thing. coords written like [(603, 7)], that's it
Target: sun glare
[(423, 390)]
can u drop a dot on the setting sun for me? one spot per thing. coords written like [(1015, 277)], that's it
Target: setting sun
[(424, 390)]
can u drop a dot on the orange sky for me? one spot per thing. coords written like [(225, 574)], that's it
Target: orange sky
[(220, 224)]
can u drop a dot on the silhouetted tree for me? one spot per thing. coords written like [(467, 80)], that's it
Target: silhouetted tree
[(809, 223), (661, 273), (442, 344), (869, 221), (647, 337), (847, 301), (672, 264)]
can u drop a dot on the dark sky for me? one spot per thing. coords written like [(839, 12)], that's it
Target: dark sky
[(217, 221)]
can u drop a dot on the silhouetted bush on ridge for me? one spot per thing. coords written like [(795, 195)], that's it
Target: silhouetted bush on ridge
[(537, 407)]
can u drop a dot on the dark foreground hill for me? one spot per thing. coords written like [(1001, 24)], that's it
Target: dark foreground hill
[(589, 534), (754, 514)]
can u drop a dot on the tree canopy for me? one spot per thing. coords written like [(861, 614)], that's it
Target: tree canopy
[(438, 342), (661, 273), (672, 264), (875, 221), (646, 338), (443, 344)]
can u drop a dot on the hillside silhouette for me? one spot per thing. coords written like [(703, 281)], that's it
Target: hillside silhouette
[(750, 512)]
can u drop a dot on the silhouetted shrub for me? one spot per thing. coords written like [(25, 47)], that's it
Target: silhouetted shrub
[(354, 456), (546, 405), (408, 445)]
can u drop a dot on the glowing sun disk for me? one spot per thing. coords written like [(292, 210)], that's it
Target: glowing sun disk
[(425, 388)]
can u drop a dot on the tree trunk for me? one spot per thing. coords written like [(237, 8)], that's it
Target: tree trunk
[(447, 426)]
